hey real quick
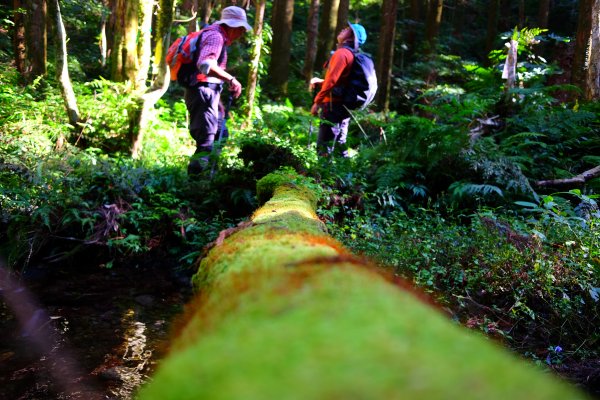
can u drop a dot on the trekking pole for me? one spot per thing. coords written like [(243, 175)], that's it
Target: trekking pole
[(222, 128), (359, 126)]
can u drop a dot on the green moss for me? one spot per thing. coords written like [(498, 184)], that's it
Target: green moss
[(286, 313)]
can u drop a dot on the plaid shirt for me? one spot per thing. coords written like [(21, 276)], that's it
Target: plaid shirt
[(213, 47)]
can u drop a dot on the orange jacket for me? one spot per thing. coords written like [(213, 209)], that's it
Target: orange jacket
[(338, 70)]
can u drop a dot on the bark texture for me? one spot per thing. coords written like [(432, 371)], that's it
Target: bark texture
[(62, 70), (385, 54), (279, 69)]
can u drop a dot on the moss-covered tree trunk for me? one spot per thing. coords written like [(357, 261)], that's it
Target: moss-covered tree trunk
[(37, 38), (255, 58), (286, 312)]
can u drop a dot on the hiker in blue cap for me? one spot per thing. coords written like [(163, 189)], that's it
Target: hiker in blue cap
[(335, 117)]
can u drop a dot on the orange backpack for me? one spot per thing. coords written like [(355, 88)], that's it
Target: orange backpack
[(181, 56)]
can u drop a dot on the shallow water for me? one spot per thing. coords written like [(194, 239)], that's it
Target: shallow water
[(95, 334)]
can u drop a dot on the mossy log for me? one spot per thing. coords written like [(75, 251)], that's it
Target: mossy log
[(286, 312)]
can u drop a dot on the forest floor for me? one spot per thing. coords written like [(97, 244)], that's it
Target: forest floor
[(111, 328)]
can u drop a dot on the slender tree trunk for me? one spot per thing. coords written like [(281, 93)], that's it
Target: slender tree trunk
[(434, 20), (191, 8), (37, 39), (255, 57), (385, 54), (343, 15), (415, 20), (592, 78), (279, 69), (19, 47), (492, 26), (327, 25), (103, 42), (206, 11), (144, 48), (582, 43), (62, 71), (521, 14), (164, 19), (124, 59), (312, 30), (543, 12)]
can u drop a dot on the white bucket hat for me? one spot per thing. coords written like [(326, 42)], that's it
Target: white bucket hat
[(234, 17)]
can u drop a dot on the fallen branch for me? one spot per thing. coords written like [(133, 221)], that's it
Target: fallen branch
[(576, 180)]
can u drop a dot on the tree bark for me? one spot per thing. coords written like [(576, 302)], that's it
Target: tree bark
[(62, 71), (343, 16), (521, 14), (255, 57), (385, 54), (492, 26), (415, 20), (124, 59), (327, 25), (164, 19), (434, 21), (582, 44), (577, 180), (19, 46), (592, 77), (37, 38), (543, 12), (206, 11), (279, 69), (312, 30)]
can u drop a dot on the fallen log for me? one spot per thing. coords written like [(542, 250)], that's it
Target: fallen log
[(286, 312), (577, 180)]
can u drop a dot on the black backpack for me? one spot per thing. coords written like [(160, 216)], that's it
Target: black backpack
[(360, 90)]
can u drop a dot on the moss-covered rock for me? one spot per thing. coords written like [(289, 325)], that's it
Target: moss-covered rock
[(285, 312)]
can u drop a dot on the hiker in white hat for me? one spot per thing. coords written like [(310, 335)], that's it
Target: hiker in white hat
[(203, 97)]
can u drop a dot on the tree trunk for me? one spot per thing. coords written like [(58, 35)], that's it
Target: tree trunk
[(543, 12), (415, 20), (283, 310), (582, 44), (191, 8), (492, 26), (19, 47), (62, 71), (279, 69), (312, 30), (327, 25), (255, 57), (434, 20), (592, 78), (164, 19), (206, 11), (37, 39), (124, 59), (343, 16), (144, 48), (385, 54), (521, 14), (140, 112), (103, 42)]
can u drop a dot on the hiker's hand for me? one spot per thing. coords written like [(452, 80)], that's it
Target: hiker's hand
[(235, 87), (314, 110), (314, 82)]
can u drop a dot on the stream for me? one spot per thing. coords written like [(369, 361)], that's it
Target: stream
[(95, 333)]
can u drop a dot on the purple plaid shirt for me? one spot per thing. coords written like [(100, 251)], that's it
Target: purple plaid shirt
[(213, 42)]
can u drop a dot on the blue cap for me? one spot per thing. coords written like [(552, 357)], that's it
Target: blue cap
[(360, 34)]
